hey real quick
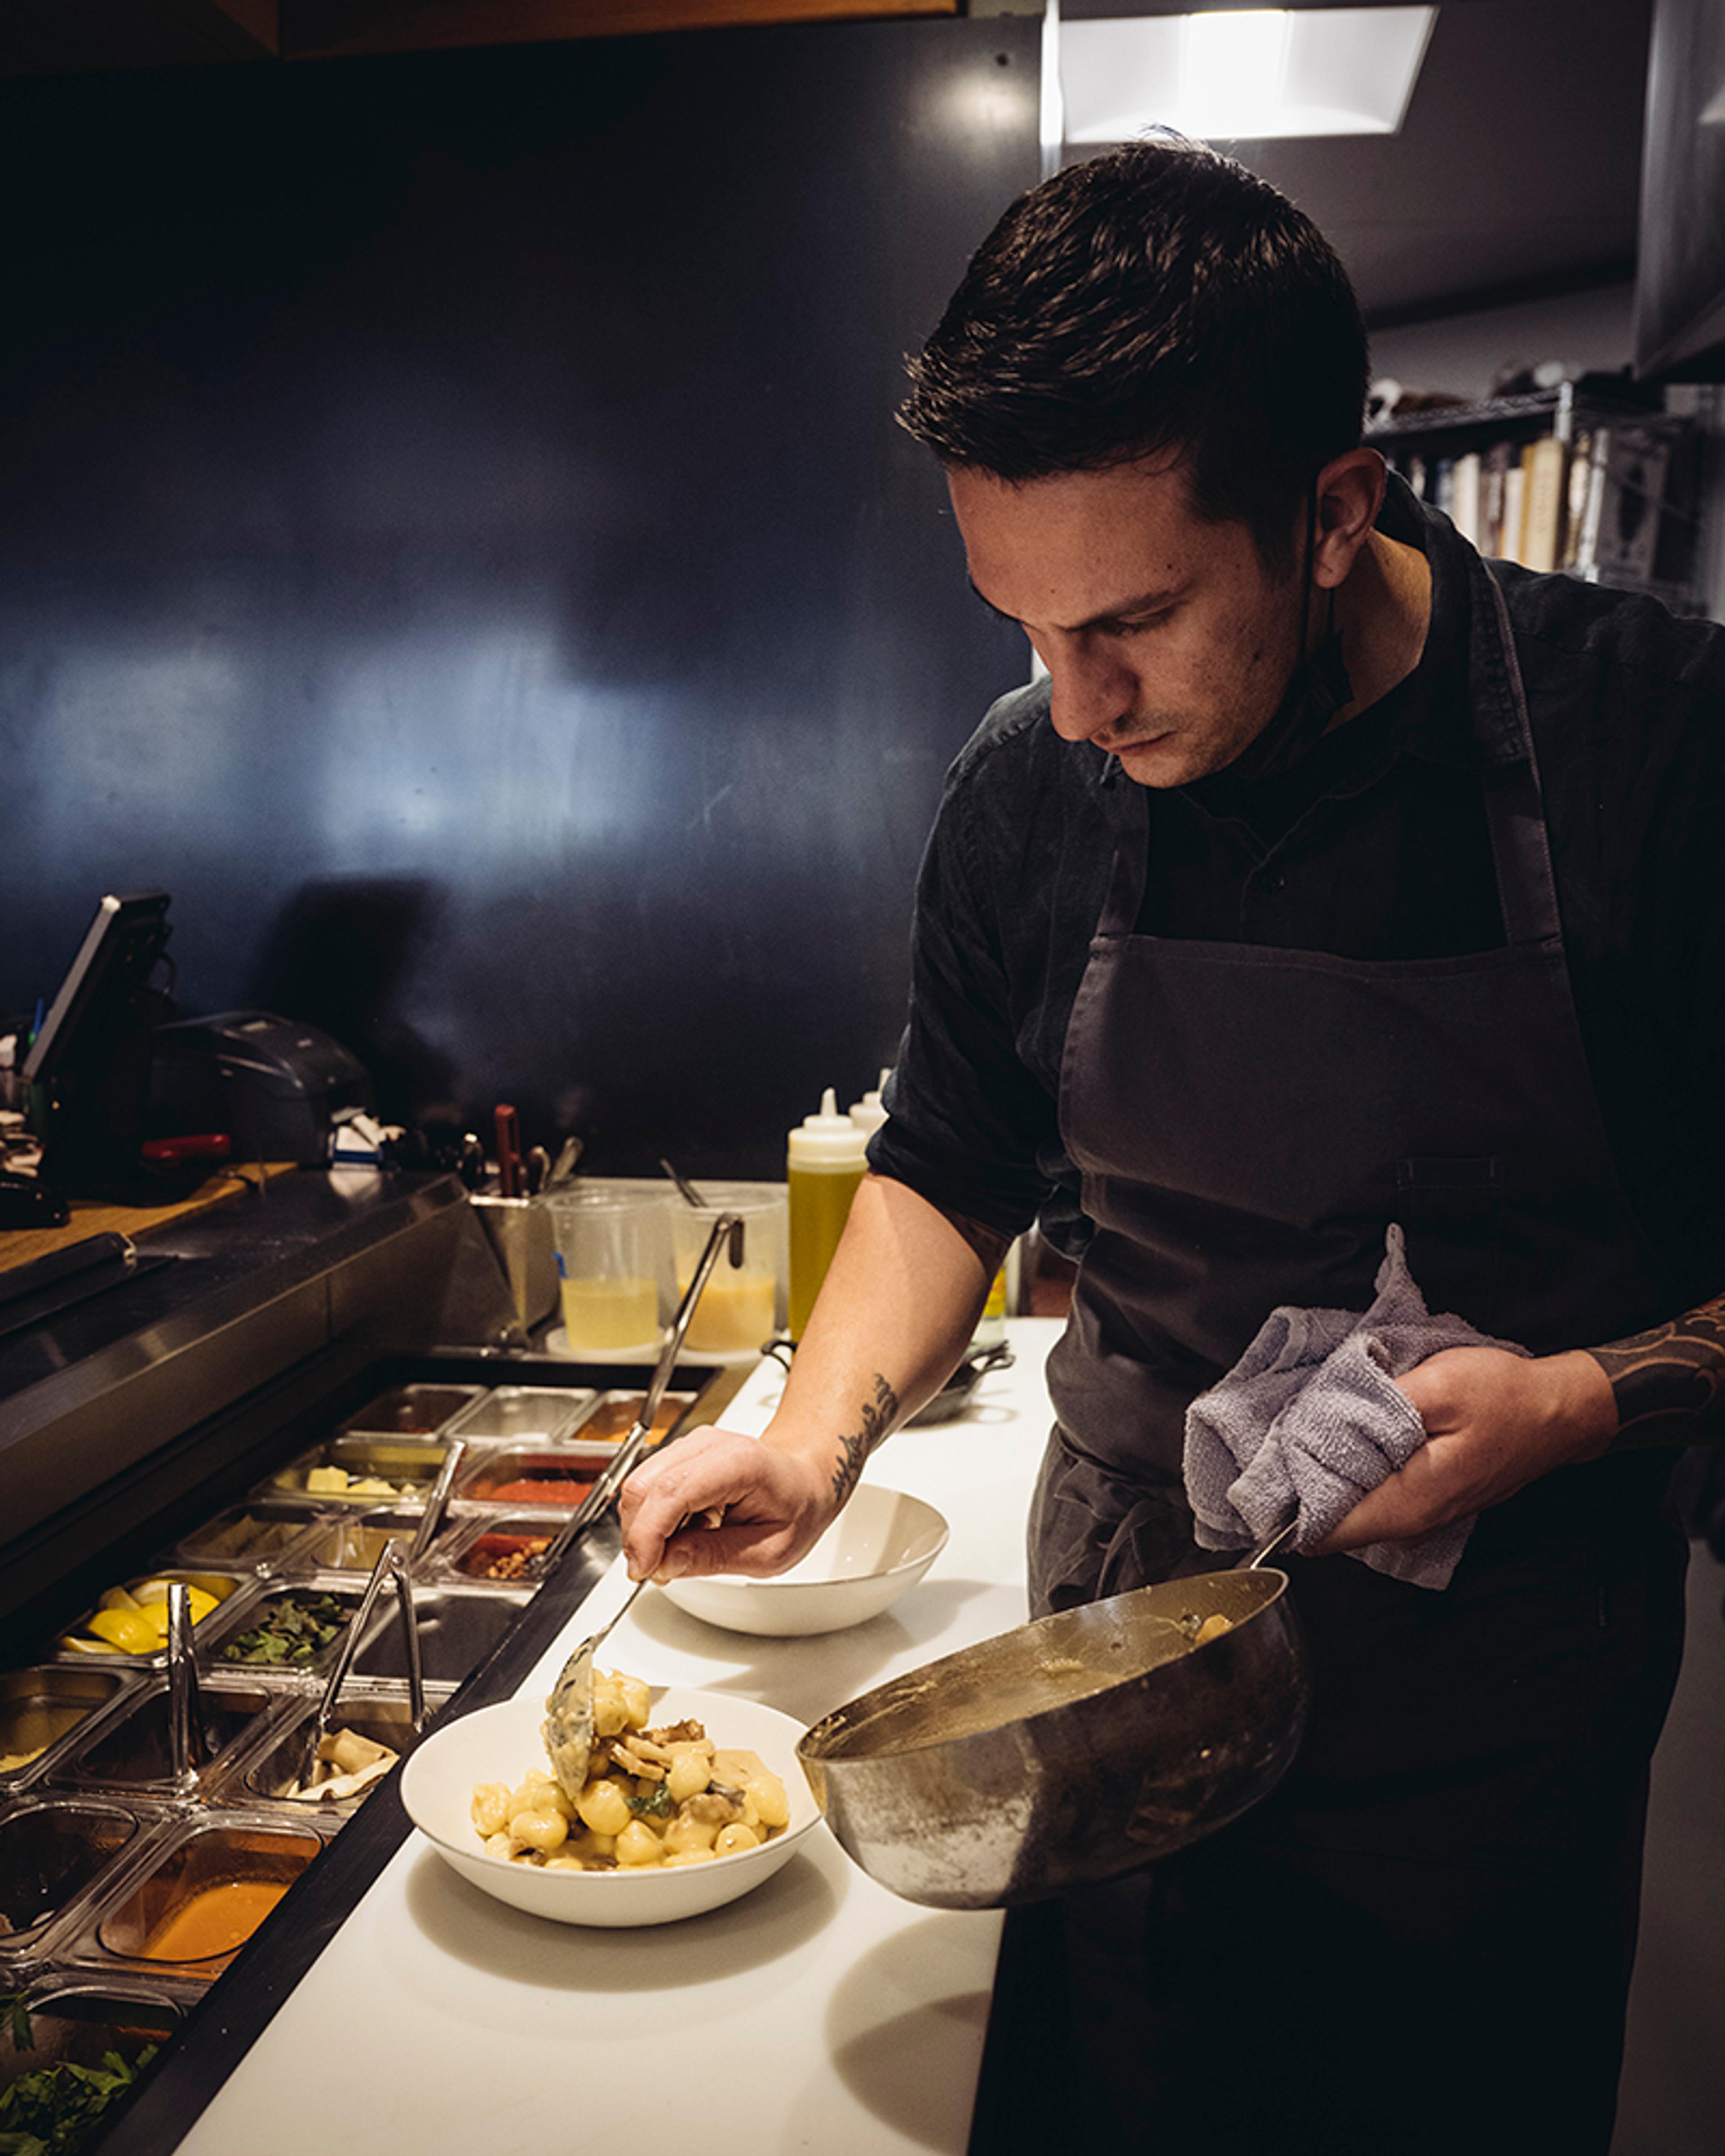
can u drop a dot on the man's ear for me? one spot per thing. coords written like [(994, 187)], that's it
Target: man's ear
[(1348, 493)]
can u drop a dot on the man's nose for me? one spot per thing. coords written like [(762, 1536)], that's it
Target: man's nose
[(1091, 691)]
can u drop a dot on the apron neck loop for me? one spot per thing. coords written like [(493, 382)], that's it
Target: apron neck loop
[(1515, 813), (1317, 684)]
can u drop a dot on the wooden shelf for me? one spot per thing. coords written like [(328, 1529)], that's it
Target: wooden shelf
[(18, 1246), (99, 37)]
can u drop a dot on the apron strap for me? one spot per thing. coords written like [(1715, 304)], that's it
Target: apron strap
[(1119, 915), (1526, 887), (1515, 816)]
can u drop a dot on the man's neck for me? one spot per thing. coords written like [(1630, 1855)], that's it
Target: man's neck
[(1383, 613)]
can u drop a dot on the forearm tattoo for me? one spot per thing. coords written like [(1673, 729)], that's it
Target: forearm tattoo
[(1670, 1383), (878, 1416)]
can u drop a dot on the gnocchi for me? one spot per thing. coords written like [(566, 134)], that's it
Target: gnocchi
[(653, 1799)]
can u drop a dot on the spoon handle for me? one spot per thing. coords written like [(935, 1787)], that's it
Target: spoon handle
[(438, 1500), (629, 1453)]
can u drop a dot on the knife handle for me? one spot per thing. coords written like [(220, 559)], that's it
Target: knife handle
[(509, 1151)]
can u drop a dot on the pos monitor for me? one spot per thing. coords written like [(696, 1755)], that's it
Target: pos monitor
[(88, 1069)]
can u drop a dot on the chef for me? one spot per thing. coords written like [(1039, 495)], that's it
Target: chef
[(1326, 878)]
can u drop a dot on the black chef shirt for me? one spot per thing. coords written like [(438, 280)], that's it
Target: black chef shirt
[(1374, 847), (1280, 862)]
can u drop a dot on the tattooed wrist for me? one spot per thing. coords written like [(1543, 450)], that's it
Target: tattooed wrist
[(878, 1416), (1669, 1383)]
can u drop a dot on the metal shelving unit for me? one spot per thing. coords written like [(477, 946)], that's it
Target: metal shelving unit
[(1630, 507)]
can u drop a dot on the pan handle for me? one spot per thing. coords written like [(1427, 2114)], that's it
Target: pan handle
[(1265, 1549)]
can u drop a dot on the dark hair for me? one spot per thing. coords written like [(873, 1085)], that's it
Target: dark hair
[(1158, 296)]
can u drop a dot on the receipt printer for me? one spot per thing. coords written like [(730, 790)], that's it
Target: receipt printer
[(275, 1086)]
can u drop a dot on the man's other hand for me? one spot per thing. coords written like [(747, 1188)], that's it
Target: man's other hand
[(1494, 1422)]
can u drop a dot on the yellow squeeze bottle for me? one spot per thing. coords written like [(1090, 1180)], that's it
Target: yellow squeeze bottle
[(824, 1162)]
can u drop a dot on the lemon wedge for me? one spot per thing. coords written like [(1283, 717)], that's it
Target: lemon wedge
[(152, 1594), (130, 1631)]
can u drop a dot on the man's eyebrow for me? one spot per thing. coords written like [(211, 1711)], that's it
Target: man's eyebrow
[(1143, 603)]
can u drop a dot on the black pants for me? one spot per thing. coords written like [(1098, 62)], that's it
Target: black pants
[(1422, 1941)]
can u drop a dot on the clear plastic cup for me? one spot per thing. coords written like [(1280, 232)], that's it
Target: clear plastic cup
[(741, 1307), (613, 1269)]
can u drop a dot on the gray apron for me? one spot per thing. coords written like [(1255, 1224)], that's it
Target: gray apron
[(1459, 1842)]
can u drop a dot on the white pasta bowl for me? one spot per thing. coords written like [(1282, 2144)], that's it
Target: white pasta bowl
[(878, 1548), (500, 1743)]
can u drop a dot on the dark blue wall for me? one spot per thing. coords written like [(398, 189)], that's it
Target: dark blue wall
[(454, 536)]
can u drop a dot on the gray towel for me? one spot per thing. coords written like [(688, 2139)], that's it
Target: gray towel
[(1308, 1420)]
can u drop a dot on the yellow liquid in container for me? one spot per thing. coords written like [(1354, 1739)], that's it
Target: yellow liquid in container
[(991, 1326), (735, 1313), (606, 1315), (820, 1204)]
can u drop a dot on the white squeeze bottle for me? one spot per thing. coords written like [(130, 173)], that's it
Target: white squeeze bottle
[(824, 1162), (868, 1113)]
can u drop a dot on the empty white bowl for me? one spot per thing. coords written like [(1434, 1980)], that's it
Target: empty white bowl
[(499, 1743), (878, 1548)]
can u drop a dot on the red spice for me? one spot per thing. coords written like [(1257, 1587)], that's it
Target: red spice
[(541, 1490)]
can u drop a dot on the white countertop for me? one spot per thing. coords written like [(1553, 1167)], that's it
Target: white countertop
[(818, 2012)]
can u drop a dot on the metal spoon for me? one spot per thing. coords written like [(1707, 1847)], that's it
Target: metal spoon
[(185, 1718), (629, 1453), (692, 1196), (436, 1500), (568, 1706), (391, 1568)]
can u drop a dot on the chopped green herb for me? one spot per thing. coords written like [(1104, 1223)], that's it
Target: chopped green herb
[(294, 1630), (50, 2112), (656, 1804), (11, 2004)]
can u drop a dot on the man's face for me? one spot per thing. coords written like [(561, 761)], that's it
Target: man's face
[(1167, 641)]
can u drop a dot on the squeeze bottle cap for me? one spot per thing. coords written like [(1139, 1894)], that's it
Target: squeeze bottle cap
[(868, 1113), (827, 1140)]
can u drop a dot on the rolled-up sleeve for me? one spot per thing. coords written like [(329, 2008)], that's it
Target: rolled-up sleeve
[(972, 1124)]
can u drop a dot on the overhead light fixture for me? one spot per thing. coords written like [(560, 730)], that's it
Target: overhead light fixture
[(1242, 74)]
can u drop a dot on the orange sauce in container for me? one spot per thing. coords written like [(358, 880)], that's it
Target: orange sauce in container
[(213, 1921)]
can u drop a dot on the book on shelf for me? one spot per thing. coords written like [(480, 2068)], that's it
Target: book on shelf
[(1493, 482), (1629, 465), (1544, 492), (1515, 495), (1605, 494), (1465, 496), (1581, 503)]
